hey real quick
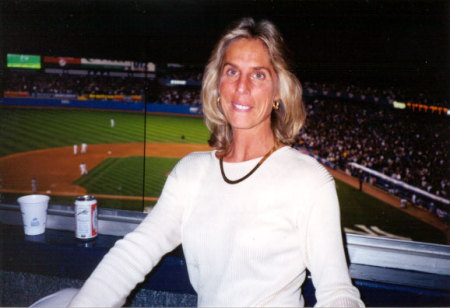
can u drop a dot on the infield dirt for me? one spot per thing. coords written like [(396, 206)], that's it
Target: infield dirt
[(55, 169)]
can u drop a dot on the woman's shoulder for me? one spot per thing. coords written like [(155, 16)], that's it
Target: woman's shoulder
[(197, 157), (302, 165), (194, 162)]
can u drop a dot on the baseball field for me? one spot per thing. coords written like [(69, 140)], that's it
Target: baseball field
[(128, 156)]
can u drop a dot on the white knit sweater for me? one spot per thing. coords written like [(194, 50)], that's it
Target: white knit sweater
[(247, 244)]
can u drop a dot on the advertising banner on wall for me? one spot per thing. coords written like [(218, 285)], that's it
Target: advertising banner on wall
[(118, 65), (105, 64), (62, 61)]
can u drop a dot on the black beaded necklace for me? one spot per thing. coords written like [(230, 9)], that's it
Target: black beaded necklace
[(251, 171)]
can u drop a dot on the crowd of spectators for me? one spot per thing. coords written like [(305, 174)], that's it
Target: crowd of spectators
[(180, 96), (92, 84), (406, 146), (389, 93), (80, 85), (193, 75)]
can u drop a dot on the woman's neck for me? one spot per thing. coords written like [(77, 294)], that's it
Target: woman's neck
[(249, 146)]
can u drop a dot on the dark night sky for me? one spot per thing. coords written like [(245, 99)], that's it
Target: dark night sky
[(400, 43)]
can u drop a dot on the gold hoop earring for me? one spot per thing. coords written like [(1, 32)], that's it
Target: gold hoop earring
[(218, 105), (276, 105)]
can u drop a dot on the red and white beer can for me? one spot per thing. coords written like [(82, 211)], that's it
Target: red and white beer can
[(86, 225)]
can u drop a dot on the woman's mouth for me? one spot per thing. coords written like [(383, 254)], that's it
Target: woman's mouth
[(240, 107)]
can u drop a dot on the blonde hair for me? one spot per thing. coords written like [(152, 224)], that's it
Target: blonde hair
[(287, 121)]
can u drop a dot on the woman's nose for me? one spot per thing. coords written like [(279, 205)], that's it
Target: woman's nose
[(242, 86)]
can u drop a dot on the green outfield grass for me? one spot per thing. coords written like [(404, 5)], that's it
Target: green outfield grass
[(32, 129), (24, 130), (125, 176)]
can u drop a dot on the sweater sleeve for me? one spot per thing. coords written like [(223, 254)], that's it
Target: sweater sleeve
[(325, 256), (132, 257)]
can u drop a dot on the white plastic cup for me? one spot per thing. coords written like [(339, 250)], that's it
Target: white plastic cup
[(34, 213)]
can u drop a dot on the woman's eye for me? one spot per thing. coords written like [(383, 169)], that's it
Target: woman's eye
[(259, 75), (231, 72)]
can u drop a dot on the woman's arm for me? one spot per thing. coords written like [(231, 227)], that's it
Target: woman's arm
[(132, 257), (325, 256)]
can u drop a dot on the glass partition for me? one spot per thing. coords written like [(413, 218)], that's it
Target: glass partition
[(117, 134)]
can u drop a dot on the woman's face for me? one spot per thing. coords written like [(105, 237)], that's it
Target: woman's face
[(248, 85)]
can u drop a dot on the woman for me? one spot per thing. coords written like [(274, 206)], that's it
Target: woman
[(253, 214)]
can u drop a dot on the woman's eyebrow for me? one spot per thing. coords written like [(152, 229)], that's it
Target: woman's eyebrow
[(229, 64), (261, 68)]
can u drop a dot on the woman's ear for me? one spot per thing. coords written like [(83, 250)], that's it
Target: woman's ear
[(277, 96)]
